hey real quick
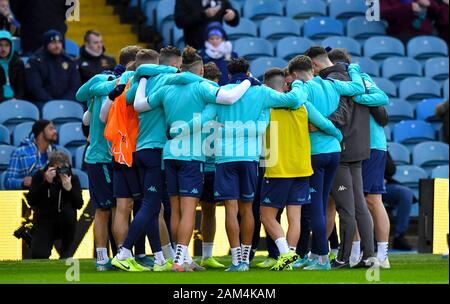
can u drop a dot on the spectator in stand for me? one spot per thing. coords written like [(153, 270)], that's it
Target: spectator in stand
[(443, 113), (409, 18), (37, 17), (400, 197), (12, 70), (51, 73), (7, 20), (217, 49), (92, 60), (441, 22), (194, 15), (31, 155)]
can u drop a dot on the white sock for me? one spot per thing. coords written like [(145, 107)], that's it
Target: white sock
[(102, 255), (312, 256), (180, 253), (335, 251), (292, 249), (187, 257), (356, 251), (246, 253), (382, 251), (124, 254), (143, 255), (207, 250), (168, 251), (282, 245), (323, 259), (159, 258), (236, 255)]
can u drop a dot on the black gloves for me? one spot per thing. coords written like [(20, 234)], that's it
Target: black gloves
[(116, 92)]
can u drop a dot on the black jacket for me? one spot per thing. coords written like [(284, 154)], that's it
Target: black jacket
[(190, 16), (38, 16), (16, 72), (52, 77), (50, 200), (91, 66), (354, 123)]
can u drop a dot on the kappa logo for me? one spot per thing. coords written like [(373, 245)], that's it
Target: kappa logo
[(312, 190), (216, 194), (194, 191), (342, 188), (152, 189), (267, 201)]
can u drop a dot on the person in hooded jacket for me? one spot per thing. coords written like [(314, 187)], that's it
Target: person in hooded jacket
[(12, 71)]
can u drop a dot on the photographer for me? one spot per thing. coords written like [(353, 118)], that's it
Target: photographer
[(55, 195)]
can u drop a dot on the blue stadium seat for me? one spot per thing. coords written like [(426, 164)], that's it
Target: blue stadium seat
[(388, 133), (5, 135), (425, 110), (440, 172), (79, 156), (445, 89), (430, 154), (399, 68), (252, 48), (437, 68), (260, 65), (150, 11), (71, 136), (237, 5), (399, 109), (413, 131), (353, 47), (178, 38), (424, 47), (387, 86), (22, 131), (368, 66), (399, 153), (381, 47), (14, 112), (288, 48), (259, 9), (345, 9), (62, 111), (164, 12), (305, 9), (2, 180), (72, 48), (275, 28), (5, 156), (246, 28), (361, 29), (322, 27), (419, 88), (84, 179), (410, 176)]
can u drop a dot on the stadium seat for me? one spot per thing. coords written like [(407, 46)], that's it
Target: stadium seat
[(84, 179), (237, 5), (150, 12), (387, 86), (424, 47), (62, 111), (425, 110), (322, 27), (381, 47), (276, 28), (440, 172), (259, 9), (79, 156), (353, 47), (437, 68), (2, 180), (178, 38), (21, 131), (368, 66), (288, 48), (5, 156), (164, 12), (345, 9), (5, 135), (13, 112), (399, 110), (71, 48), (446, 88), (399, 68), (246, 28), (410, 176), (361, 29), (252, 48), (413, 131), (399, 153), (388, 133), (419, 88), (430, 154), (260, 65), (305, 9), (71, 136)]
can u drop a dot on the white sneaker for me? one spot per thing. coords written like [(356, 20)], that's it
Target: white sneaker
[(354, 262), (385, 264)]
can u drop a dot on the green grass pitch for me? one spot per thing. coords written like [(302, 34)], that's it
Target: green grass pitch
[(407, 268)]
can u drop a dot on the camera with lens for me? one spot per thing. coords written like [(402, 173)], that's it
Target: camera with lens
[(24, 232), (64, 170)]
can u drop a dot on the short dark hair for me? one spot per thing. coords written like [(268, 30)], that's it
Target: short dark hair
[(167, 53), (147, 55), (300, 63), (128, 54), (270, 73), (89, 33), (316, 51), (238, 65), (212, 72), (340, 55)]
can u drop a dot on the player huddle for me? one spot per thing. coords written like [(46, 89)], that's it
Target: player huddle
[(177, 139)]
